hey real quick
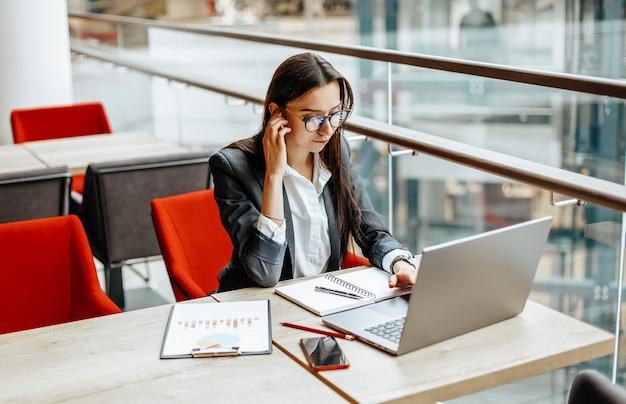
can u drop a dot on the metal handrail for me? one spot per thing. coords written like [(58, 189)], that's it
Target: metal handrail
[(562, 81), (583, 188)]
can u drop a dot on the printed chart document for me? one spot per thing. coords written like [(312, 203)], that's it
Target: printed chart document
[(338, 291), (218, 329)]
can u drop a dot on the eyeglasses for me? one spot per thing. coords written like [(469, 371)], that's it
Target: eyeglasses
[(315, 122)]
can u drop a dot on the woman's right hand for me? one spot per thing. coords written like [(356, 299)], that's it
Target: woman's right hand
[(274, 145)]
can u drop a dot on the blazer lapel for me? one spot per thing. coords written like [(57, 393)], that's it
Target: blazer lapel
[(335, 246), (290, 235), (260, 176)]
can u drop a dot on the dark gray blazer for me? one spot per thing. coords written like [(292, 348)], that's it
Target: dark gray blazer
[(259, 261)]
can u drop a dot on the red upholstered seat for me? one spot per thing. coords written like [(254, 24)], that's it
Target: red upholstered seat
[(48, 275), (53, 122), (194, 245), (352, 260), (78, 183)]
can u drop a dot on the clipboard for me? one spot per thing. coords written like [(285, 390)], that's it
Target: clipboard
[(204, 330)]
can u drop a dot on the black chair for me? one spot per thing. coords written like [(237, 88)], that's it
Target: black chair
[(115, 207), (591, 386), (34, 194)]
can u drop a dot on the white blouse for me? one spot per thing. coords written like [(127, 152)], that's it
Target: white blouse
[(309, 219), (310, 223)]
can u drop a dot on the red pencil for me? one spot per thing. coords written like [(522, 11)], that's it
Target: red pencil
[(323, 332)]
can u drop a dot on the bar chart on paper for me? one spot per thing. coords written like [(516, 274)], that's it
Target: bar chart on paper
[(244, 326), (219, 331)]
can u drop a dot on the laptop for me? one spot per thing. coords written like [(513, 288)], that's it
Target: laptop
[(461, 286)]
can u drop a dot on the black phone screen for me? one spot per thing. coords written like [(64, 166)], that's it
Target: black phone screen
[(324, 353)]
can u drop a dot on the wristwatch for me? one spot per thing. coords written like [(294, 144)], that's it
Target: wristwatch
[(401, 258)]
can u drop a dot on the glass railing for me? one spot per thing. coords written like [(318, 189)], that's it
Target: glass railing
[(444, 152)]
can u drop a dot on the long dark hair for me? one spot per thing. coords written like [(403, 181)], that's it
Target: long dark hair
[(293, 78)]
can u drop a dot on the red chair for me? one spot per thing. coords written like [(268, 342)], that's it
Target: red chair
[(48, 275), (194, 245), (352, 260), (53, 122)]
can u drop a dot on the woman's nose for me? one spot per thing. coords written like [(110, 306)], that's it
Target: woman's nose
[(326, 128)]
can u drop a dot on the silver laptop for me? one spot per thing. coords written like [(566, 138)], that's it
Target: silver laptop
[(461, 286)]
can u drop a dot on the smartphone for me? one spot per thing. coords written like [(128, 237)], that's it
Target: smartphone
[(324, 353)]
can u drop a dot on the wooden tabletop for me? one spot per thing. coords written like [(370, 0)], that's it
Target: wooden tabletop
[(17, 158), (78, 152), (539, 340), (116, 359)]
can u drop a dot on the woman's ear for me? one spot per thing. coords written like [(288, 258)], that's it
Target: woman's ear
[(273, 108)]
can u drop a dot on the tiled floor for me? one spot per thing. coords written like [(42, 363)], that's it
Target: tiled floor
[(140, 293)]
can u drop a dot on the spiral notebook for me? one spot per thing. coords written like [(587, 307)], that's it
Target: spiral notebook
[(339, 290)]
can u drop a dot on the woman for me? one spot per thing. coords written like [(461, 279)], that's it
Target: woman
[(289, 197)]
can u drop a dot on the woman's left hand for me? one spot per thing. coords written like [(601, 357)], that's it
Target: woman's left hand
[(405, 275)]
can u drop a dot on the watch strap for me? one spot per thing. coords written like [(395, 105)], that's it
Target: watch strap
[(401, 258)]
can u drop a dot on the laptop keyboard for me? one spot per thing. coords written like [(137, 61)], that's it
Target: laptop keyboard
[(389, 330)]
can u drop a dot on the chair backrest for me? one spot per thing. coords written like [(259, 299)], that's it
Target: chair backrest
[(52, 122), (591, 386), (194, 244), (34, 194), (352, 260), (48, 275), (116, 208)]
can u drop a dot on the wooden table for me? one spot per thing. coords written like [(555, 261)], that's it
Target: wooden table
[(78, 152), (116, 359), (17, 158), (539, 340)]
